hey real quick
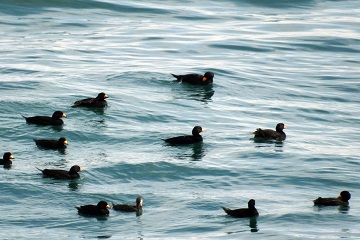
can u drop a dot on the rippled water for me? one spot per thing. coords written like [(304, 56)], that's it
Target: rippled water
[(295, 62)]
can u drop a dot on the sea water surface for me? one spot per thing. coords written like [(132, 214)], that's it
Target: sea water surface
[(290, 61)]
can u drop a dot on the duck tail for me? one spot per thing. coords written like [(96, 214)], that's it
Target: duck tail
[(176, 76), (227, 210)]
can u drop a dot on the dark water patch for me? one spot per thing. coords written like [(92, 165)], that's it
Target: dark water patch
[(347, 86), (172, 51), (194, 18), (20, 7), (326, 48), (33, 57), (328, 45), (90, 52), (16, 85), (240, 48), (17, 24), (4, 70), (354, 61), (153, 38), (336, 99), (278, 4), (316, 112), (341, 41), (333, 78), (73, 24)]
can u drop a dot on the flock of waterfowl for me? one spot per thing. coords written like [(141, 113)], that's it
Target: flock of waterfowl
[(102, 207)]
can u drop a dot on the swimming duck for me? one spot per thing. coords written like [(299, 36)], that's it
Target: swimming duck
[(6, 159), (62, 174), (188, 139), (243, 212), (97, 102), (51, 144), (101, 209), (196, 79), (129, 208), (341, 200), (44, 120), (271, 134)]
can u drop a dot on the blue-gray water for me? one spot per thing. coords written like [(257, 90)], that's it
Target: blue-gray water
[(291, 61)]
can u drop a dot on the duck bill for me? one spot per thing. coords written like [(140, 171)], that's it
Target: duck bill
[(81, 169), (106, 96), (11, 156), (339, 197), (204, 79), (64, 115), (65, 142), (202, 130), (108, 206), (285, 127)]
